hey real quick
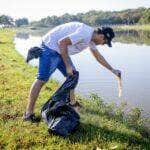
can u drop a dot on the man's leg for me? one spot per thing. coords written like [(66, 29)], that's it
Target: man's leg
[(47, 65), (72, 96), (33, 95)]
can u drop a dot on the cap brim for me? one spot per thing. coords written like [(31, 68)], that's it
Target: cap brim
[(109, 43)]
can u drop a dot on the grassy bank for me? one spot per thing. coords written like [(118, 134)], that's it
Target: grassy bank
[(103, 126), (134, 27)]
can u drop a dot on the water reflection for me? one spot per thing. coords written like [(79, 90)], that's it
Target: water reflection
[(24, 36), (33, 31), (123, 36)]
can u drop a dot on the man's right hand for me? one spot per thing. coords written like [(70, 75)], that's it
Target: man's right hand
[(117, 72), (69, 70)]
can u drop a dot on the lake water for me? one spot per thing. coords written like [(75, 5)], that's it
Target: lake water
[(132, 58)]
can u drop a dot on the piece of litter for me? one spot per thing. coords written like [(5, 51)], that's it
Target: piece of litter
[(119, 86)]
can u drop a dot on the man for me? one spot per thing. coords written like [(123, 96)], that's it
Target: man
[(57, 45)]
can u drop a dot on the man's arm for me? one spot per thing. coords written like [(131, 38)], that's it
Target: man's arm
[(63, 44), (76, 37), (104, 63)]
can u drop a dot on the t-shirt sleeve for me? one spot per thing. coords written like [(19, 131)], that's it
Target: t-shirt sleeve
[(79, 35), (92, 46)]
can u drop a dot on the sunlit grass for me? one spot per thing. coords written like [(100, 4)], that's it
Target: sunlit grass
[(145, 27), (103, 126)]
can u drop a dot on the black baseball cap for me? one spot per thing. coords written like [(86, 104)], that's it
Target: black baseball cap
[(108, 33)]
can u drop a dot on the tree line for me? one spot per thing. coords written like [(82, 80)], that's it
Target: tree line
[(9, 21), (93, 18), (96, 18)]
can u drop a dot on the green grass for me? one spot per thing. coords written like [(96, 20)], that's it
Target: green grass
[(145, 27), (103, 126)]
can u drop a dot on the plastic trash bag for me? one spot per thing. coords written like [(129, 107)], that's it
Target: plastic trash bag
[(60, 117)]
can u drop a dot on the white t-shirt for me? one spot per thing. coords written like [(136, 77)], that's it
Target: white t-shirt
[(80, 35)]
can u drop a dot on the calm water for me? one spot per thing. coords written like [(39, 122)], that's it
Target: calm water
[(132, 59)]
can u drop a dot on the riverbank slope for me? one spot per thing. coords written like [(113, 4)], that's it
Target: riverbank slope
[(102, 125)]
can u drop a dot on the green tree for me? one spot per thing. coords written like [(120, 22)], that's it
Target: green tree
[(96, 18), (22, 21), (145, 17), (6, 20)]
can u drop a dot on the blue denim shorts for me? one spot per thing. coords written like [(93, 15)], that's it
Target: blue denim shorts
[(49, 61)]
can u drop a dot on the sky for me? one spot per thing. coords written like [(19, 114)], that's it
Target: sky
[(37, 9)]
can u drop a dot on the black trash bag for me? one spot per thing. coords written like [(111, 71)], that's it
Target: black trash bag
[(34, 52), (61, 118)]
